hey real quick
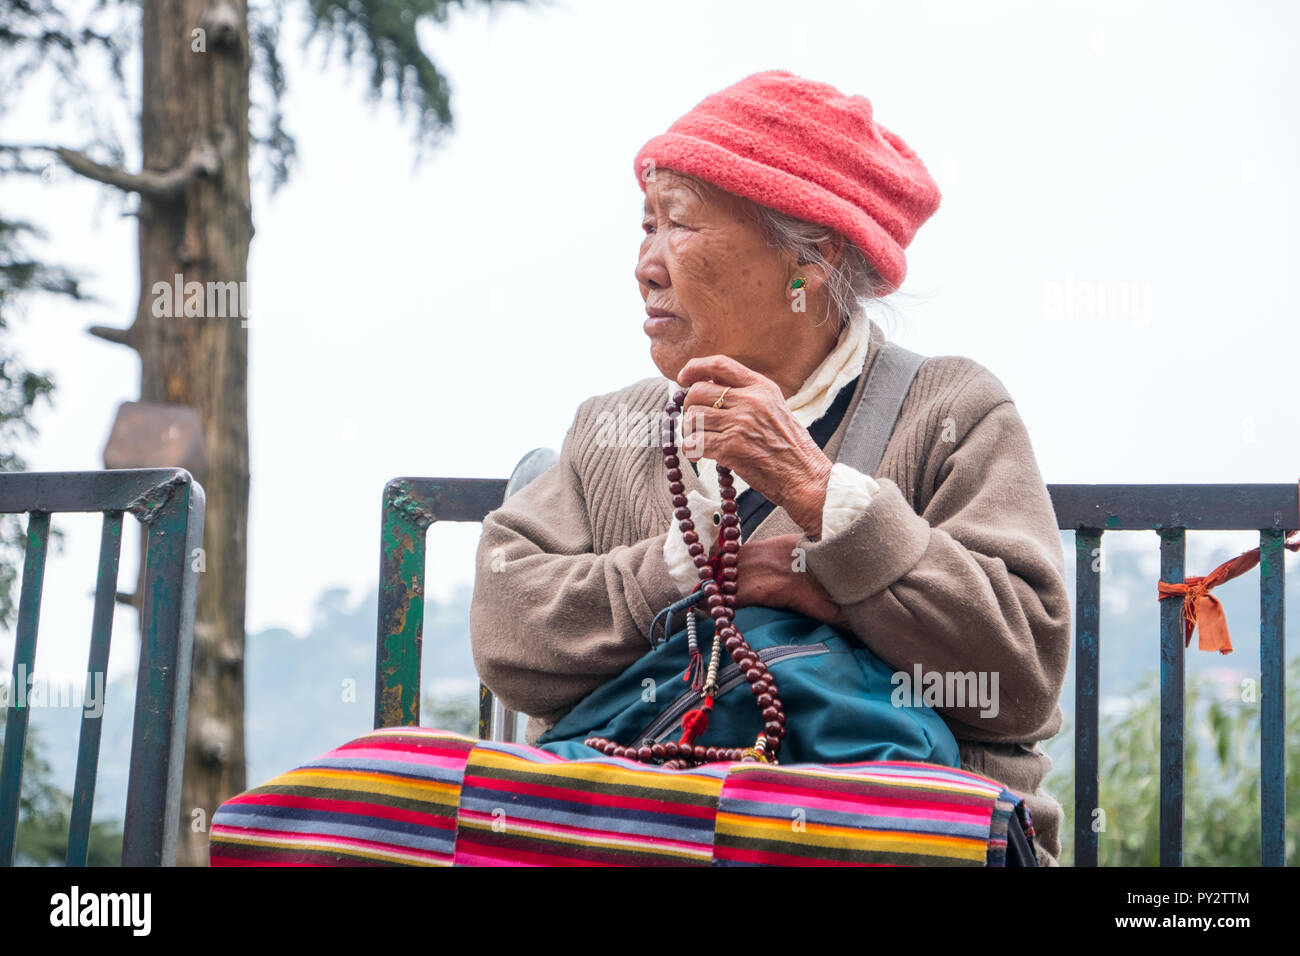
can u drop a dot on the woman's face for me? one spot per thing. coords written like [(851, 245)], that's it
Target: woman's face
[(721, 288)]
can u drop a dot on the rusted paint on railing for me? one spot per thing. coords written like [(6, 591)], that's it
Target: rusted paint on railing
[(410, 506)]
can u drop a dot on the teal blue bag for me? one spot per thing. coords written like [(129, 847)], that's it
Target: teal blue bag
[(836, 695)]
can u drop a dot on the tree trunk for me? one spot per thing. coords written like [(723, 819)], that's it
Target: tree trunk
[(195, 101)]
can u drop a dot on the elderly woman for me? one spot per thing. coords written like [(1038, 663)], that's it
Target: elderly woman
[(773, 210)]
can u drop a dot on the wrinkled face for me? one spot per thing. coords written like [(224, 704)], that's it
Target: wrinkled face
[(705, 265)]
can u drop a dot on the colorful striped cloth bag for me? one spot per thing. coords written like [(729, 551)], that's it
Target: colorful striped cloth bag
[(423, 797)]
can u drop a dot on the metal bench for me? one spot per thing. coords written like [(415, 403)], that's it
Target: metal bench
[(412, 505), (171, 504)]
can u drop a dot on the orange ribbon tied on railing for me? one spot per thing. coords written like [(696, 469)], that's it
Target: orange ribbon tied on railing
[(1201, 609)]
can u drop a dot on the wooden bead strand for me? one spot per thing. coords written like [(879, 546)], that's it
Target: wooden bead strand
[(718, 575)]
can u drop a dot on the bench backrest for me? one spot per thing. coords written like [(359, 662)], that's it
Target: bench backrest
[(171, 505), (411, 505)]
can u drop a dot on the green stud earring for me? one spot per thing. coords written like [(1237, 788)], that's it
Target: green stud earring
[(797, 283)]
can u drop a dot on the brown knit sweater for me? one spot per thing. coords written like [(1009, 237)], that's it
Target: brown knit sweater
[(955, 565)]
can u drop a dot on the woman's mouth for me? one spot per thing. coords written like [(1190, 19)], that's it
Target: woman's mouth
[(657, 320)]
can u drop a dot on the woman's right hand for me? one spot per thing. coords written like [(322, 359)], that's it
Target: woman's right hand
[(768, 578)]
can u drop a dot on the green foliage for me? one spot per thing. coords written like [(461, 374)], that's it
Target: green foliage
[(1221, 782), (43, 815), (20, 273), (20, 388), (387, 31), (77, 44), (265, 116), (35, 34)]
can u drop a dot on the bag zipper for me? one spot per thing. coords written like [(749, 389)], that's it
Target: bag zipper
[(728, 678)]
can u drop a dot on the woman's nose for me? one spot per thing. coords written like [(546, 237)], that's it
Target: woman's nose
[(650, 268)]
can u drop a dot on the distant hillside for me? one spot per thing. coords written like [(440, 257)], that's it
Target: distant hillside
[(296, 696), (298, 692)]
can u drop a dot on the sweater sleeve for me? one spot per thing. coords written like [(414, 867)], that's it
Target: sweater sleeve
[(847, 493), (976, 583), (549, 619)]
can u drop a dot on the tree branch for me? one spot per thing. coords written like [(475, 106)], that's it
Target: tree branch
[(202, 161), (118, 336)]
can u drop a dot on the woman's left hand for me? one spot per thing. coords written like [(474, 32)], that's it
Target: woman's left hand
[(755, 434), (768, 578)]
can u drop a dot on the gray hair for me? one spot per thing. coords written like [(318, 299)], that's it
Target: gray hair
[(852, 282)]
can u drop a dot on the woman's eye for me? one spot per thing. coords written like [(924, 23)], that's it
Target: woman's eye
[(649, 227)]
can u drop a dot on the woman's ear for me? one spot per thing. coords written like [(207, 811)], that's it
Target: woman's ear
[(815, 277), (832, 249)]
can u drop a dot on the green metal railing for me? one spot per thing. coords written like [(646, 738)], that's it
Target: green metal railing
[(171, 505), (1171, 511), (412, 505)]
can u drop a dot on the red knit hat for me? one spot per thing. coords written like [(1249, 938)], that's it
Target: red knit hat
[(805, 149)]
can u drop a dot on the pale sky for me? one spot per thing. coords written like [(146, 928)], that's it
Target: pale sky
[(443, 319)]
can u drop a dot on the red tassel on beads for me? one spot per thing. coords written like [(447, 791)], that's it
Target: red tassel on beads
[(695, 723)]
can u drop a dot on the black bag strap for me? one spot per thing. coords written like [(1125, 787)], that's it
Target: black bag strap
[(863, 446)]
